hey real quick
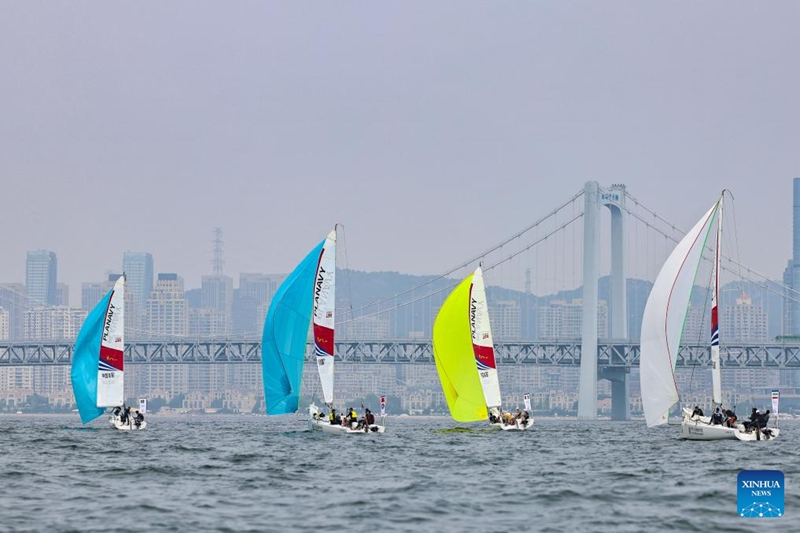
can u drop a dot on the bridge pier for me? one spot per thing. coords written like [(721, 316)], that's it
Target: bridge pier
[(587, 387), (614, 200), (620, 392)]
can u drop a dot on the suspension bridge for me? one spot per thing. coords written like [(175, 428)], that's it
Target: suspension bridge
[(609, 354)]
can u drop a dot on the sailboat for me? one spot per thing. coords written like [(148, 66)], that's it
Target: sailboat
[(308, 292), (464, 355), (98, 378), (662, 328)]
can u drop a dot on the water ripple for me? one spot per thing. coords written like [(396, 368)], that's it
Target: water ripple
[(270, 474)]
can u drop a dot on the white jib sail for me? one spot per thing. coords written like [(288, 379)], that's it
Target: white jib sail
[(110, 373), (662, 323), (324, 313), (482, 340)]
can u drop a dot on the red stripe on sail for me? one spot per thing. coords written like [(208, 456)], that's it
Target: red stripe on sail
[(112, 356), (323, 337), (484, 355)]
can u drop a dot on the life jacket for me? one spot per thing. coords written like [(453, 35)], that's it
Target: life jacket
[(353, 414), (332, 416)]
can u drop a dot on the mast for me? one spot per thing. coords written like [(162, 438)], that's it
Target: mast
[(716, 375)]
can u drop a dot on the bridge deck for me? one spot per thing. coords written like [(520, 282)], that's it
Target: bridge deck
[(609, 354)]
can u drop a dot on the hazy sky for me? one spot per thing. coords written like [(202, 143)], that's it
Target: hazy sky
[(430, 130)]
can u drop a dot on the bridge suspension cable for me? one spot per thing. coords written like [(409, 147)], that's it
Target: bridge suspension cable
[(472, 260), (759, 280), (450, 286)]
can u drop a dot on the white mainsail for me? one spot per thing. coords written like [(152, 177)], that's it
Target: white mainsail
[(716, 372), (324, 312), (662, 323), (482, 343), (110, 371)]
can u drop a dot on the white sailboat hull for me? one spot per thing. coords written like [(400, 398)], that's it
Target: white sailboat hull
[(516, 426), (130, 425), (699, 430), (768, 434), (326, 427)]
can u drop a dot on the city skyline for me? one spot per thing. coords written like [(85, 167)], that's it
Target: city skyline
[(216, 309)]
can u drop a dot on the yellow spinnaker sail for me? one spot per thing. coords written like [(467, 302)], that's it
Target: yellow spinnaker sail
[(455, 358)]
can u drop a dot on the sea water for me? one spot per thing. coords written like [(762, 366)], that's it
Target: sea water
[(257, 473)]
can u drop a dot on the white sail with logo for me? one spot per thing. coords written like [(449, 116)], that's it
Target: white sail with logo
[(482, 344), (110, 370), (324, 314)]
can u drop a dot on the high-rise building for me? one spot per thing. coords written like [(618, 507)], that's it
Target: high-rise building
[(744, 322), (367, 328), (62, 294), (205, 322), (41, 272), (14, 299), (5, 332), (194, 297), (564, 320), (697, 325), (506, 320), (167, 309), (52, 323), (790, 324), (217, 295), (251, 300), (91, 294), (138, 269), (791, 276)]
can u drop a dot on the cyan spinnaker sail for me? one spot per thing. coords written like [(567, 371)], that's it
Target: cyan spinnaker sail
[(283, 342), (98, 379), (85, 362)]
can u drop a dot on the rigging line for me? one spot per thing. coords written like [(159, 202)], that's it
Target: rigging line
[(783, 293), (476, 258), (759, 275), (347, 268), (703, 324), (735, 238)]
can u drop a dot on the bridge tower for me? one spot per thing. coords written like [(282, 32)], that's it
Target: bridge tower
[(614, 199)]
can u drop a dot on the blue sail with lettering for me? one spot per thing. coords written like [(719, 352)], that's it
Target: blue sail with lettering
[(283, 343), (85, 360)]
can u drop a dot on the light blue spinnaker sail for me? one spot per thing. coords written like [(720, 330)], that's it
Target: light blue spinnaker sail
[(85, 361), (283, 343)]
